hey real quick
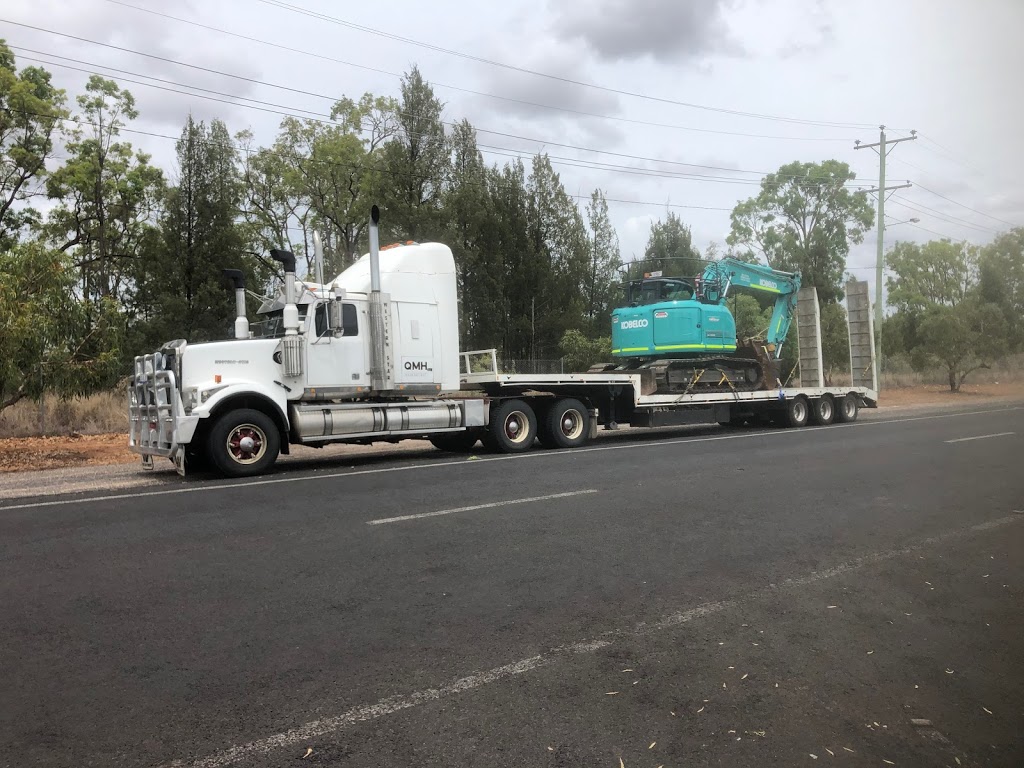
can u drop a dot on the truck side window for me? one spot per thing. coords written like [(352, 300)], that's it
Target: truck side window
[(349, 320), (321, 319)]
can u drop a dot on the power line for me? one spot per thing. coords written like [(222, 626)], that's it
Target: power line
[(973, 210), (935, 214), (335, 99), (323, 118), (356, 166), (503, 65), (939, 234), (461, 89)]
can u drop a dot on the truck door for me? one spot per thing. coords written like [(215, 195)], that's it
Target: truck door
[(337, 360)]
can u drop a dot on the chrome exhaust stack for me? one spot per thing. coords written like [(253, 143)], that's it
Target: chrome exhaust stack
[(380, 374), (241, 316), (291, 344)]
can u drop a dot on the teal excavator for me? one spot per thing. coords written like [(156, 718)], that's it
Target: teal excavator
[(681, 334)]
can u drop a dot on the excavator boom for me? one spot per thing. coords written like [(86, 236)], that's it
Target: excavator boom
[(721, 276)]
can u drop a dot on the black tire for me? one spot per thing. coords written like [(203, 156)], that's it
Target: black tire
[(847, 409), (564, 424), (823, 410), (196, 459), (227, 445), (455, 442), (734, 422), (797, 412), (513, 427)]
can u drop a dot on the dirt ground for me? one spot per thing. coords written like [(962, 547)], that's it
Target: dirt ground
[(28, 453)]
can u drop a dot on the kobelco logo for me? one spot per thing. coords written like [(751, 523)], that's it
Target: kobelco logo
[(768, 283), (630, 324)]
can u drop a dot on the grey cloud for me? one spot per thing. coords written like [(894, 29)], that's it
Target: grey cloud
[(818, 36), (665, 30), (136, 31), (538, 105), (526, 91)]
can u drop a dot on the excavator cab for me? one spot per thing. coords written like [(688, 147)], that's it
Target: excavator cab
[(640, 293)]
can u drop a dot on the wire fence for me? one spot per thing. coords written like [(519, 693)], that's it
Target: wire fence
[(511, 365)]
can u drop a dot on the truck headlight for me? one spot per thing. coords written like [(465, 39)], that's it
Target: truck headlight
[(189, 399), (206, 394)]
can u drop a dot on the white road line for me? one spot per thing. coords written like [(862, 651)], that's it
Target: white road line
[(516, 456), (489, 505), (979, 437), (316, 729)]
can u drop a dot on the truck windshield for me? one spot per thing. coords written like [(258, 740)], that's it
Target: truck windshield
[(270, 325)]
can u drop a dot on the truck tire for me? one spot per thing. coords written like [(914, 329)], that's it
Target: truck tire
[(243, 442), (823, 410), (564, 424), (513, 427), (847, 409), (196, 459), (797, 412), (455, 442)]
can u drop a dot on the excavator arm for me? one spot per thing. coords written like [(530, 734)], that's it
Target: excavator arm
[(720, 277)]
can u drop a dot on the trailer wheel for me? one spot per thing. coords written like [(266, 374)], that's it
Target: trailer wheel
[(564, 424), (797, 412), (823, 410), (455, 442), (243, 442), (847, 409), (513, 427)]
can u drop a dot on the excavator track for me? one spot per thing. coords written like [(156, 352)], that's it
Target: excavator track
[(750, 371)]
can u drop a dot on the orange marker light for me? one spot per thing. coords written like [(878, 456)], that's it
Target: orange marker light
[(216, 378)]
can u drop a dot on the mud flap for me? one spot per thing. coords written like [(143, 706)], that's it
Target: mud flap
[(147, 462), (179, 460)]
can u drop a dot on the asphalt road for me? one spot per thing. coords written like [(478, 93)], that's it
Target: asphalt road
[(785, 597)]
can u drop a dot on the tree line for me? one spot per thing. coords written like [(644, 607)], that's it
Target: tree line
[(104, 255)]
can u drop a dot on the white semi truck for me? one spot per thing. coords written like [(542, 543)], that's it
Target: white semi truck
[(373, 356)]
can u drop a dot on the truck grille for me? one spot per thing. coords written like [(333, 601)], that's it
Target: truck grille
[(152, 406)]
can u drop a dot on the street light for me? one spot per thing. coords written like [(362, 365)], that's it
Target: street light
[(905, 221)]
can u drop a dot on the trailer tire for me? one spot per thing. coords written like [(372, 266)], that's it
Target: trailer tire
[(243, 442), (847, 409), (564, 424), (823, 410), (512, 428), (797, 412), (455, 442)]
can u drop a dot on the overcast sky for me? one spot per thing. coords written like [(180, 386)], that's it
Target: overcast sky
[(949, 69)]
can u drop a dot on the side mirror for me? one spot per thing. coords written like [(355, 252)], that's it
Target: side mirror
[(334, 320)]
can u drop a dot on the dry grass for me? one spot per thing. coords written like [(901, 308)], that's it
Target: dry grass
[(101, 413)]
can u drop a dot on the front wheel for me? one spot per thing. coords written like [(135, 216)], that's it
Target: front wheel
[(513, 427), (244, 442)]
